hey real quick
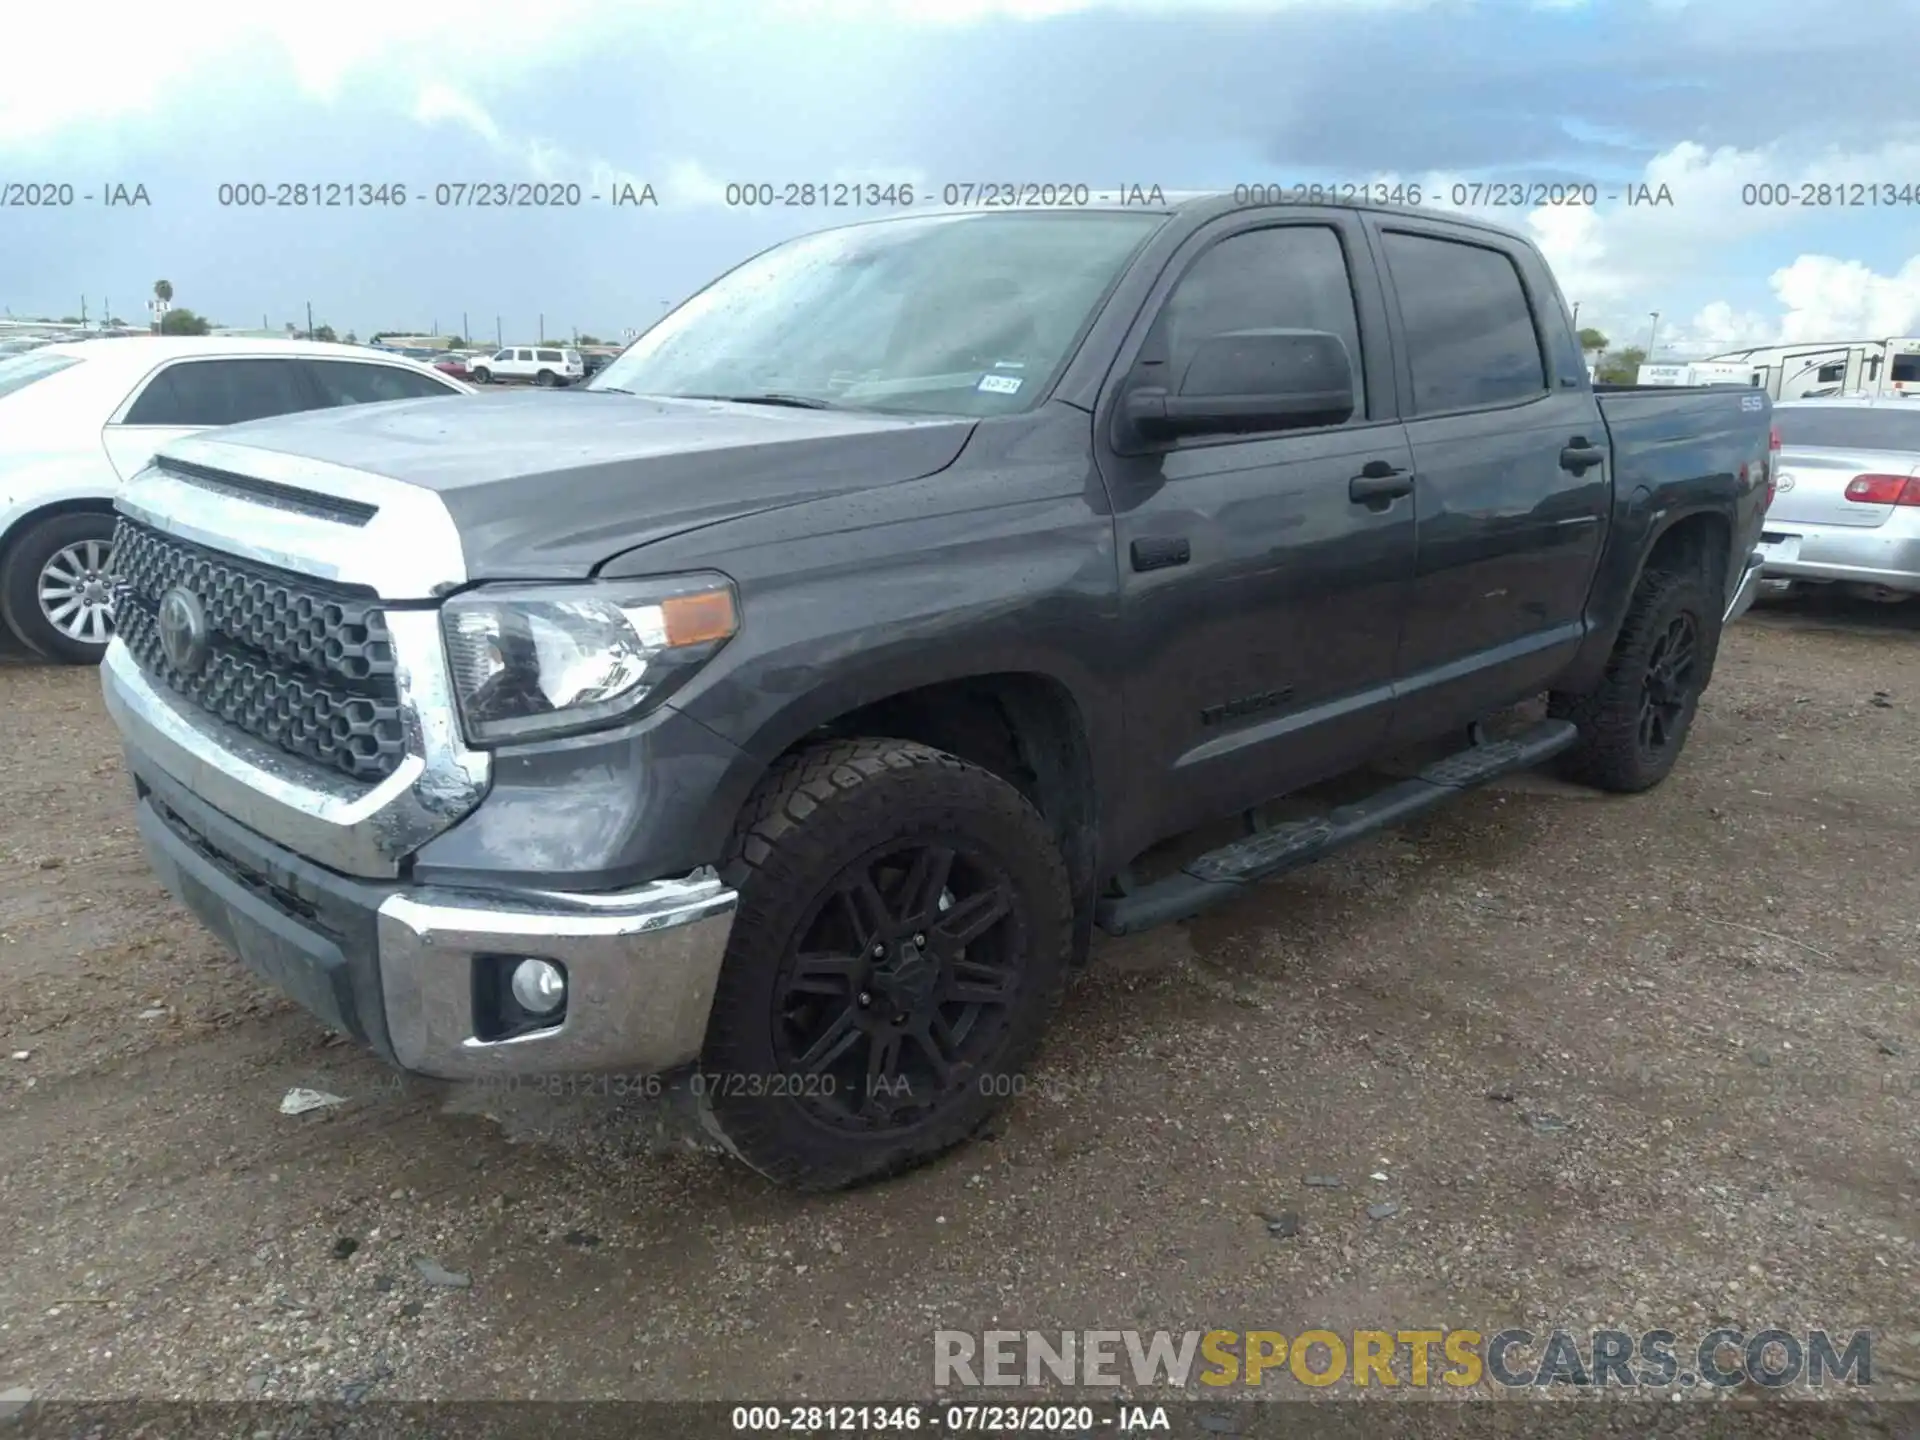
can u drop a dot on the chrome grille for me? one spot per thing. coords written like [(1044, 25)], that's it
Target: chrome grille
[(299, 663)]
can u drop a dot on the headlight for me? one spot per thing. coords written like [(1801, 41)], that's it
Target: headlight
[(542, 660)]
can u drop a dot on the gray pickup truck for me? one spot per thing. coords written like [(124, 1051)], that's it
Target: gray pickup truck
[(785, 709)]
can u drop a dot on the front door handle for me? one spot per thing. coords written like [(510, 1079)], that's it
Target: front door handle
[(1579, 455), (1378, 480)]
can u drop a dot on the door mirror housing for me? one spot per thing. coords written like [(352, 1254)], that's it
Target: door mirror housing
[(1244, 381)]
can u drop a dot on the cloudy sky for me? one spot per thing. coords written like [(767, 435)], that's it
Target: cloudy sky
[(1704, 97)]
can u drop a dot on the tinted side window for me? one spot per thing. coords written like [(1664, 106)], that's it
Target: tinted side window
[(1293, 277), (523, 355), (221, 392), (346, 382), (553, 355), (1470, 335)]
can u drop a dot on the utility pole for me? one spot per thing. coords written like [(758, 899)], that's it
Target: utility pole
[(1651, 334), (498, 343), (1576, 314), (543, 330), (309, 320), (83, 312), (465, 333)]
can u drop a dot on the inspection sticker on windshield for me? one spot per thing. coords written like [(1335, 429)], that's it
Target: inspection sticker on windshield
[(999, 384)]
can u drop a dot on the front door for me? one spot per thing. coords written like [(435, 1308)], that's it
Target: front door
[(1262, 593)]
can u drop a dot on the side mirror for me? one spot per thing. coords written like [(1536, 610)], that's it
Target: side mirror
[(1249, 380)]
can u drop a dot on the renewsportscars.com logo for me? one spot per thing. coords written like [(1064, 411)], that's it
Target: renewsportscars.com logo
[(1457, 1359)]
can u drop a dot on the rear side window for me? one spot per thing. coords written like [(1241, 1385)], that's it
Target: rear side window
[(22, 370), (553, 356), (221, 392), (1469, 329), (523, 355), (1292, 277), (1849, 427), (348, 382)]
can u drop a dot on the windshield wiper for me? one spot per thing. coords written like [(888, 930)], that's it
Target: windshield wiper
[(771, 397)]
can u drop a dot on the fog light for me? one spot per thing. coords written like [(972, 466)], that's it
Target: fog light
[(539, 986)]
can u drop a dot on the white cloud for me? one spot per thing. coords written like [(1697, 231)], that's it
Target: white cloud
[(1622, 262), (149, 51), (973, 12), (1829, 299)]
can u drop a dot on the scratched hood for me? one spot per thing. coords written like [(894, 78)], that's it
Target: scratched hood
[(550, 484)]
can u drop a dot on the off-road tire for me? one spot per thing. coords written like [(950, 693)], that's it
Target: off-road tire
[(20, 569), (1609, 754), (815, 813)]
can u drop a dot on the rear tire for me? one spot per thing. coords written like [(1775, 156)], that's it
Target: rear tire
[(52, 587), (1634, 723), (858, 952), (545, 380)]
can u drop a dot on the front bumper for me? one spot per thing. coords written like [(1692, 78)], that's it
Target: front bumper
[(1887, 555), (399, 967)]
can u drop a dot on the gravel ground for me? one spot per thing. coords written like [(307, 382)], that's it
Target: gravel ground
[(1648, 1062)]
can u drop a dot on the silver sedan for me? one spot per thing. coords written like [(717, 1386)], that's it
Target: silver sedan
[(1846, 508)]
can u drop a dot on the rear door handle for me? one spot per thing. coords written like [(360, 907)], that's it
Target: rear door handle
[(1161, 553), (1579, 455), (1378, 480)]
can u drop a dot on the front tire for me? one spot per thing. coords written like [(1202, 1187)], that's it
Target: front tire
[(901, 941), (54, 591), (1634, 723), (483, 376)]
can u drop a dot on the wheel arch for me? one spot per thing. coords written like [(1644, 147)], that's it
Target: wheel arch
[(1027, 727), (1699, 536)]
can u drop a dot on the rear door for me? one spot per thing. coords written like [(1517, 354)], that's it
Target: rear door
[(1510, 454), (185, 396), (1262, 599)]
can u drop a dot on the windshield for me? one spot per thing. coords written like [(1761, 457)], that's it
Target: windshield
[(22, 370), (1848, 427), (952, 314)]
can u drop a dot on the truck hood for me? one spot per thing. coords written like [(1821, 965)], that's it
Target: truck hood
[(551, 484)]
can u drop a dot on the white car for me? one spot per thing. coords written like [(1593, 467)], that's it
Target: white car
[(1846, 504), (79, 418), (542, 364)]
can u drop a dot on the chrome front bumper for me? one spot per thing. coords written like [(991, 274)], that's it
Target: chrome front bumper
[(400, 966), (641, 968)]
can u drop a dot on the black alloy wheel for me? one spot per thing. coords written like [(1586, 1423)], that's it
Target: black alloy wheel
[(899, 984)]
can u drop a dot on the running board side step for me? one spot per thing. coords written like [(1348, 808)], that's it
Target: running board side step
[(1219, 875)]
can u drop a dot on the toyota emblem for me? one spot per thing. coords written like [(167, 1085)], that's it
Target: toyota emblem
[(183, 630)]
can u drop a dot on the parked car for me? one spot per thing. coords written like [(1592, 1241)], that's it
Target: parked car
[(787, 709), (454, 365), (543, 365), (1848, 505), (77, 419)]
